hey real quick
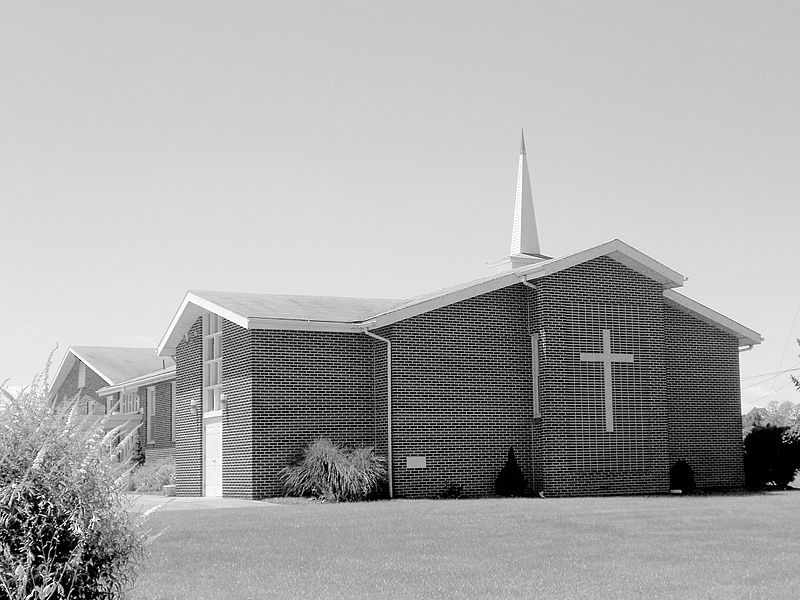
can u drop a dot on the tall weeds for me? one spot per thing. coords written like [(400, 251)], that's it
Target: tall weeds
[(64, 528)]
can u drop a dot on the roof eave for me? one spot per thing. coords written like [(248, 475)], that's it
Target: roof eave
[(143, 380), (615, 249), (744, 335), (192, 307), (304, 325)]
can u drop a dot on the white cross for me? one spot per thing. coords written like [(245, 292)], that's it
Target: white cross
[(606, 357)]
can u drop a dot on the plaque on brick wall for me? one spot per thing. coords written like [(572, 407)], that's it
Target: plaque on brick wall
[(415, 462)]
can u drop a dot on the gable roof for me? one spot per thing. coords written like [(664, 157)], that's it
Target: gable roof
[(324, 313), (745, 335), (112, 364)]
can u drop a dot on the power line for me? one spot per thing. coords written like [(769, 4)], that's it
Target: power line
[(786, 345), (772, 393), (773, 373)]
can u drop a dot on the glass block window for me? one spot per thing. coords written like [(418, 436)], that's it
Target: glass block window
[(173, 402), (151, 413), (212, 362), (596, 448)]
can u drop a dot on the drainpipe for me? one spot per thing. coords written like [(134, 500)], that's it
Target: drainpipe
[(388, 343), (747, 349), (535, 288)]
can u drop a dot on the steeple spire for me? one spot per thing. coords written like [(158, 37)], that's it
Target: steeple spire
[(524, 235)]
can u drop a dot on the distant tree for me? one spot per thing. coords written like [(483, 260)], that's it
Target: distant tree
[(771, 457), (757, 417)]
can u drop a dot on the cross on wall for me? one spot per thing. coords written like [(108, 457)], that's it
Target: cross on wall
[(607, 357)]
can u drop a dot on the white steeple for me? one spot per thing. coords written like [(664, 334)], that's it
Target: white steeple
[(524, 235)]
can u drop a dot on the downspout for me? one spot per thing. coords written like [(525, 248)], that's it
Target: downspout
[(533, 459), (747, 349), (388, 343)]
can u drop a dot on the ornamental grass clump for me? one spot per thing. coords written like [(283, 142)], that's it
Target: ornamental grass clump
[(64, 528), (328, 471)]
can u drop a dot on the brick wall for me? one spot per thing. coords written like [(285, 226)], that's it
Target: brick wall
[(705, 422), (462, 394), (237, 422), (188, 440), (308, 385), (579, 456), (69, 388), (162, 444)]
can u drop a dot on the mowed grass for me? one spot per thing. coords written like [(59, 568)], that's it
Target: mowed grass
[(733, 546)]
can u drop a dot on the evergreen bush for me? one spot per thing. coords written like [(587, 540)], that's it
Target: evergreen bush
[(328, 471), (64, 528), (511, 481), (771, 457), (681, 477)]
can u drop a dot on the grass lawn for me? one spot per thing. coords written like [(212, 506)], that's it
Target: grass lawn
[(727, 547)]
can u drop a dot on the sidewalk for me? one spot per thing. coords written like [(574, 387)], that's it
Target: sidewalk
[(147, 503)]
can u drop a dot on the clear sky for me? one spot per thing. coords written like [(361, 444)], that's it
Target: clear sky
[(370, 149)]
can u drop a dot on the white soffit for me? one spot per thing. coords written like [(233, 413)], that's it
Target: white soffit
[(192, 307), (745, 335), (148, 379)]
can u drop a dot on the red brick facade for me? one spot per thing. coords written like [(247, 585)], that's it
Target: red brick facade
[(463, 393)]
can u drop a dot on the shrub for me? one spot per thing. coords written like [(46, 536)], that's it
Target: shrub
[(152, 476), (452, 491), (64, 528), (681, 477), (511, 481), (325, 470), (771, 457)]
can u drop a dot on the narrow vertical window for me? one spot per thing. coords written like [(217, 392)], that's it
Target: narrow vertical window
[(535, 373), (212, 362), (151, 412), (173, 402), (81, 375)]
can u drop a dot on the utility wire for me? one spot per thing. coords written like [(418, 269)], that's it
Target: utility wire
[(773, 373), (786, 345)]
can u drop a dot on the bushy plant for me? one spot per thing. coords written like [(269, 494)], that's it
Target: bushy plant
[(331, 472), (452, 491), (64, 528), (771, 457), (152, 476), (511, 481)]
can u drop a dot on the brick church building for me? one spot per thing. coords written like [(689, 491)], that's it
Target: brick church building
[(591, 365)]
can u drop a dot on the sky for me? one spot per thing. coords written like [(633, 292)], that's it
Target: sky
[(370, 149)]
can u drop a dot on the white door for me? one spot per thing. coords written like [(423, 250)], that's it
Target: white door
[(212, 457)]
